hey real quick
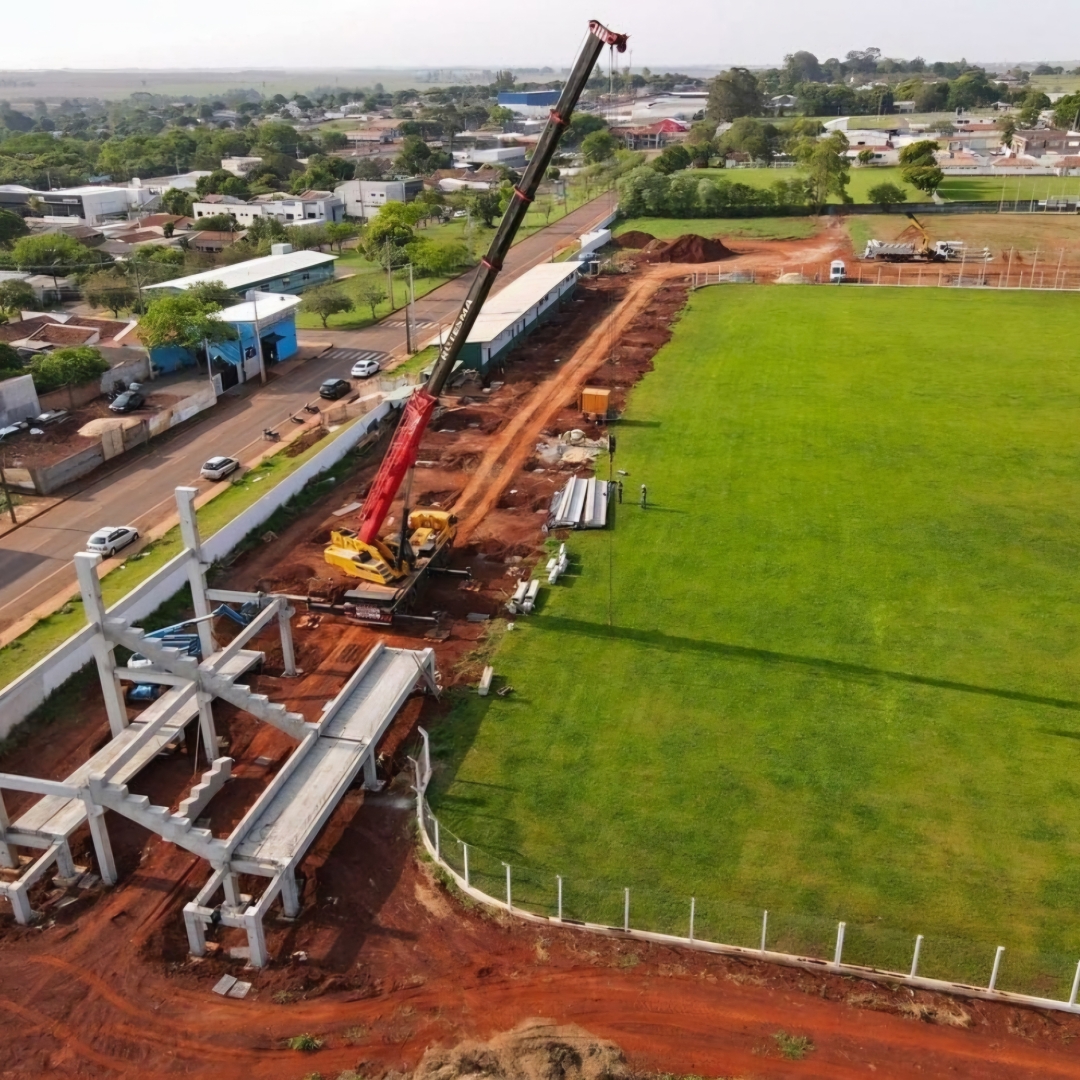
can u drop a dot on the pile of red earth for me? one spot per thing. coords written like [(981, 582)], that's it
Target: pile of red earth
[(687, 249), (634, 239)]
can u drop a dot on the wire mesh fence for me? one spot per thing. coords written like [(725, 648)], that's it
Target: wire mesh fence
[(709, 917)]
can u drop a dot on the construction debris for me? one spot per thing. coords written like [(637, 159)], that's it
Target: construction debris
[(524, 599), (582, 504), (558, 565), (485, 681)]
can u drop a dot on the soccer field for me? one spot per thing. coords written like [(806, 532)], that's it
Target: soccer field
[(831, 671)]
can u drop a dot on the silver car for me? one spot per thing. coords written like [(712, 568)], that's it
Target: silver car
[(109, 541), (217, 468)]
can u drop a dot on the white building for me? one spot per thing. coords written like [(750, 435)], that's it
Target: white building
[(94, 205), (240, 166), (307, 208), (365, 198), (513, 157)]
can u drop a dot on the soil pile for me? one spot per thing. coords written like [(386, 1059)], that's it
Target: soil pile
[(535, 1050), (689, 249), (634, 239)]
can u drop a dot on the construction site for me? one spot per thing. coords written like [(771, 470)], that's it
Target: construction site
[(210, 865)]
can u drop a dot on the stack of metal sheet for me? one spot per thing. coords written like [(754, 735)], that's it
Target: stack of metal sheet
[(582, 504)]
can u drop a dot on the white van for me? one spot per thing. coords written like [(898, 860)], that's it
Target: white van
[(837, 272)]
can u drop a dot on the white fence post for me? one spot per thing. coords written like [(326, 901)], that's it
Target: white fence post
[(997, 967), (626, 910), (1075, 988), (840, 928), (692, 903), (465, 853), (915, 958), (438, 853), (764, 928), (509, 904), (558, 878)]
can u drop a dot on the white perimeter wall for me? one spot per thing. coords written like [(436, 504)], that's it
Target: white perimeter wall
[(25, 694)]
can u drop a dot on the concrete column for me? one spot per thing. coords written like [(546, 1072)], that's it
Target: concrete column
[(20, 905), (288, 653), (371, 777), (99, 834), (7, 856), (257, 954), (231, 884), (196, 930), (196, 571), (290, 896), (206, 726), (86, 569)]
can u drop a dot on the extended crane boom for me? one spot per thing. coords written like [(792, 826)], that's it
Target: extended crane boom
[(403, 449)]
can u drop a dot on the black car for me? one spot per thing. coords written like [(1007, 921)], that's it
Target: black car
[(333, 389), (128, 402)]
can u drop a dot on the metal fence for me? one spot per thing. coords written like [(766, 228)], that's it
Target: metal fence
[(709, 923)]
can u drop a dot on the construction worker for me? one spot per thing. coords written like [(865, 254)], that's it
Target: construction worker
[(644, 497)]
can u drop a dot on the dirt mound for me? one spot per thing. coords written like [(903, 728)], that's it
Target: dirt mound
[(690, 249), (535, 1050), (634, 239)]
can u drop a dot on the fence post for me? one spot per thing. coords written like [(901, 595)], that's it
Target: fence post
[(764, 928), (509, 904), (558, 878), (997, 967), (692, 902), (1075, 988), (840, 928), (465, 853), (438, 853), (626, 911), (915, 958)]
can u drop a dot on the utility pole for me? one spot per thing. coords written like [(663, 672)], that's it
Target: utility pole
[(7, 494), (390, 274), (409, 300)]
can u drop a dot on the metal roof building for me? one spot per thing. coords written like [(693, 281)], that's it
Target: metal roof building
[(512, 313), (283, 272)]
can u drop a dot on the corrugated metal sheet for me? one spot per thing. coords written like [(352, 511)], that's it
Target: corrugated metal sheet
[(582, 504)]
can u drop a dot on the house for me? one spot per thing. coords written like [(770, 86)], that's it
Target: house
[(309, 207), (512, 157), (283, 271), (485, 178), (43, 331), (904, 106), (653, 136), (210, 242), (529, 102), (240, 166), (781, 102), (1039, 142), (364, 198), (266, 325)]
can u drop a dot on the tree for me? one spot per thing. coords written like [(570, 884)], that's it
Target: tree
[(582, 124), (485, 205), (51, 253), (918, 166), (372, 168), (829, 171), (389, 231), (801, 67), (434, 258), (175, 201), (337, 232), (865, 155), (67, 367), (11, 227), (326, 300), (751, 137), (110, 289), (10, 362), (334, 140), (1067, 113), (185, 320), (1008, 130), (371, 293), (887, 195), (733, 94), (672, 159), (16, 296), (1032, 105), (222, 182), (598, 146), (214, 294)]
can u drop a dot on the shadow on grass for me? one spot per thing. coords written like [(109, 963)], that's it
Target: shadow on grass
[(638, 423), (671, 642)]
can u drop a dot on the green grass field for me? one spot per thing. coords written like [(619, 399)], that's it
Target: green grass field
[(779, 228), (832, 670)]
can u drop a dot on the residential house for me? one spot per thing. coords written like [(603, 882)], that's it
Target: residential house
[(309, 207), (364, 198), (1041, 142)]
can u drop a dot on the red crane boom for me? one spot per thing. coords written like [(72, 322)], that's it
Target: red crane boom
[(414, 421)]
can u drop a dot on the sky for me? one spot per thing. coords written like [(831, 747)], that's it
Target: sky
[(665, 34)]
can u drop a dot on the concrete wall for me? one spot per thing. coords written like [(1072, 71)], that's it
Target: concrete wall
[(18, 399), (21, 697), (70, 397), (50, 478)]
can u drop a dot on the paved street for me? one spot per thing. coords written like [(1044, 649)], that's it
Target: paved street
[(35, 559)]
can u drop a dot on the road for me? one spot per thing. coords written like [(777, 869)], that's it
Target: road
[(35, 559)]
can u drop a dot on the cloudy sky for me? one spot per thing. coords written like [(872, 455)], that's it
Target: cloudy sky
[(490, 33)]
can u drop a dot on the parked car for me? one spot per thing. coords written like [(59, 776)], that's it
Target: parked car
[(110, 540), (362, 369), (333, 389), (128, 402), (13, 429), (217, 468), (461, 213), (50, 416)]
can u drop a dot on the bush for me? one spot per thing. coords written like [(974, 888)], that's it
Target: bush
[(67, 367), (307, 1043)]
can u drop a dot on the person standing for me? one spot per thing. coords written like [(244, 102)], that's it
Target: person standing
[(644, 497)]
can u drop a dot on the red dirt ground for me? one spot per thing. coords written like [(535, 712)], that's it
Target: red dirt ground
[(690, 248), (391, 962)]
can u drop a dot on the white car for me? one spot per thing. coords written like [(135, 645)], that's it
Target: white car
[(109, 541), (364, 368), (217, 468)]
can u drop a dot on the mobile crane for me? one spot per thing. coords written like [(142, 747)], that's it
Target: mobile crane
[(391, 565)]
